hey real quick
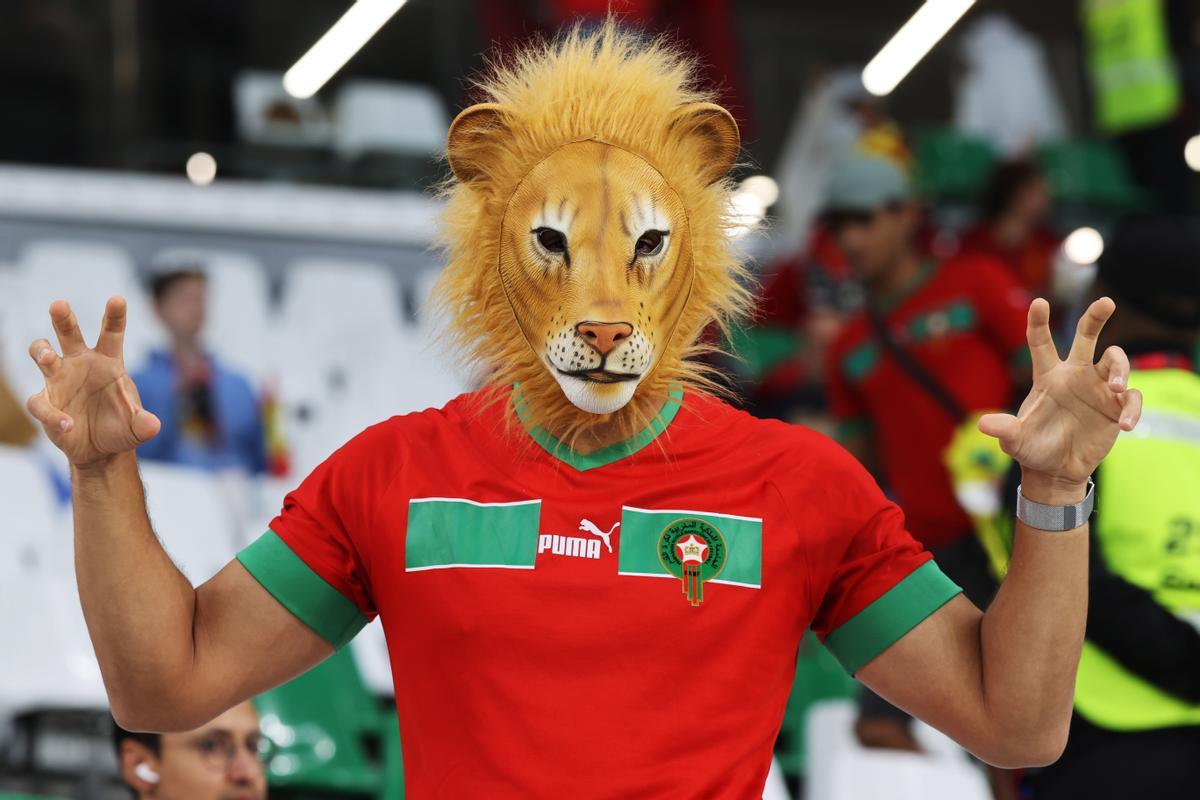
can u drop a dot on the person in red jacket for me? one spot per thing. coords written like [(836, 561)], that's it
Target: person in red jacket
[(1012, 228), (934, 345)]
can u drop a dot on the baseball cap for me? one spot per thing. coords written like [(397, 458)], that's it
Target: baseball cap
[(865, 183)]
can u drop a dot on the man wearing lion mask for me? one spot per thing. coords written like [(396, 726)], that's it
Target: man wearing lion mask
[(593, 575)]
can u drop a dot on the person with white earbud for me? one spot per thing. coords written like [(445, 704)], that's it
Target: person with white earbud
[(224, 759)]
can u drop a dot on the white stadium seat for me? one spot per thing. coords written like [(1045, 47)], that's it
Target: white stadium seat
[(266, 114), (193, 518), (32, 532), (86, 274), (842, 769), (386, 117), (48, 660)]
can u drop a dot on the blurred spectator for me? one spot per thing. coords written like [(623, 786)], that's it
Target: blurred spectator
[(1012, 229), (1007, 96), (1136, 730), (222, 760), (934, 345), (210, 415), (836, 116), (1132, 50), (16, 428)]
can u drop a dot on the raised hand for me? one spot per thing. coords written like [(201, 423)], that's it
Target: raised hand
[(1076, 408), (89, 407)]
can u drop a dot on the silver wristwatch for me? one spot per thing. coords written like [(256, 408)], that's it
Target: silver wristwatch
[(1056, 518)]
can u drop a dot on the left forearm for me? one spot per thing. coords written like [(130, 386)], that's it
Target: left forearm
[(1032, 634)]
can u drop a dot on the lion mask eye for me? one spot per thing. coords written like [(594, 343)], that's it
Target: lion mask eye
[(650, 243), (552, 241)]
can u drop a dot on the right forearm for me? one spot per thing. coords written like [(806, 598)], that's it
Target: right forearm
[(138, 606)]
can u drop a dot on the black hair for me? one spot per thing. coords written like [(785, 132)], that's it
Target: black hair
[(152, 741), (1006, 180), (162, 282), (1152, 264)]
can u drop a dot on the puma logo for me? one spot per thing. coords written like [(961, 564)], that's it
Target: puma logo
[(590, 527), (577, 546)]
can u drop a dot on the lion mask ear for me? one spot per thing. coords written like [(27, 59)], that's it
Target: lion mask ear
[(470, 145), (713, 133)]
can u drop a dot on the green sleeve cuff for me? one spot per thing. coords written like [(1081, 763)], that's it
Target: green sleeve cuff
[(849, 428), (880, 625), (333, 616)]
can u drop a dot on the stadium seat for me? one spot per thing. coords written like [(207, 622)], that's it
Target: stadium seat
[(333, 357), (371, 655), (1091, 173), (237, 328), (329, 730), (193, 518), (266, 114), (48, 660), (386, 117), (819, 678), (841, 769), (86, 274), (952, 166), (33, 535)]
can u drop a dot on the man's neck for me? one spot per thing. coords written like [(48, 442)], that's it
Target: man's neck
[(900, 274)]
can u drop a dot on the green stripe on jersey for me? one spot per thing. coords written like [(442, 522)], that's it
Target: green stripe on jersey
[(333, 616), (896, 612), (446, 532), (642, 527)]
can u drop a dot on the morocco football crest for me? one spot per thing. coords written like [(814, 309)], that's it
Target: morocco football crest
[(693, 551)]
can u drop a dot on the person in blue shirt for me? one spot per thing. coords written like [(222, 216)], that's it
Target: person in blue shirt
[(210, 415)]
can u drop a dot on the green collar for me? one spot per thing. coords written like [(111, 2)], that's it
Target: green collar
[(611, 453), (894, 298)]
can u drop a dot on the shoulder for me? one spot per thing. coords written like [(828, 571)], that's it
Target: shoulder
[(790, 452), (976, 270), (417, 431)]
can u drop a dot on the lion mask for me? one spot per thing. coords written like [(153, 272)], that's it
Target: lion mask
[(585, 229)]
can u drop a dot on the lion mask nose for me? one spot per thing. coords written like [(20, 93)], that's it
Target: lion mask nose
[(603, 336)]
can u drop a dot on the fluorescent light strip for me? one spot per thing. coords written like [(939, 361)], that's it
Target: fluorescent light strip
[(911, 43), (339, 44)]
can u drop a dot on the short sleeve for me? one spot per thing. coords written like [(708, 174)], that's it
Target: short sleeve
[(314, 558), (882, 583)]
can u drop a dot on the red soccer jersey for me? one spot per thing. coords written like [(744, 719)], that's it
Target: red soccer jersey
[(619, 624), (964, 322)]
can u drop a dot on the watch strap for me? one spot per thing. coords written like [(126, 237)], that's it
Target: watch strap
[(1056, 518)]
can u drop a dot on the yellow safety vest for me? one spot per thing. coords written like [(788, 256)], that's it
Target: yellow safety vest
[(1148, 531), (1130, 63)]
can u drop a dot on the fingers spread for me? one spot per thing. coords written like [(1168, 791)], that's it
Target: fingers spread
[(1131, 409), (1113, 367), (112, 328), (70, 339), (44, 356), (55, 421), (1037, 333), (1083, 349)]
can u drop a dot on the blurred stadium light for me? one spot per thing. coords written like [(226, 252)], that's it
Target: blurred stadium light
[(339, 44), (915, 38)]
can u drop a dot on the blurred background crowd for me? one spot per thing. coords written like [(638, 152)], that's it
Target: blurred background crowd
[(917, 171)]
